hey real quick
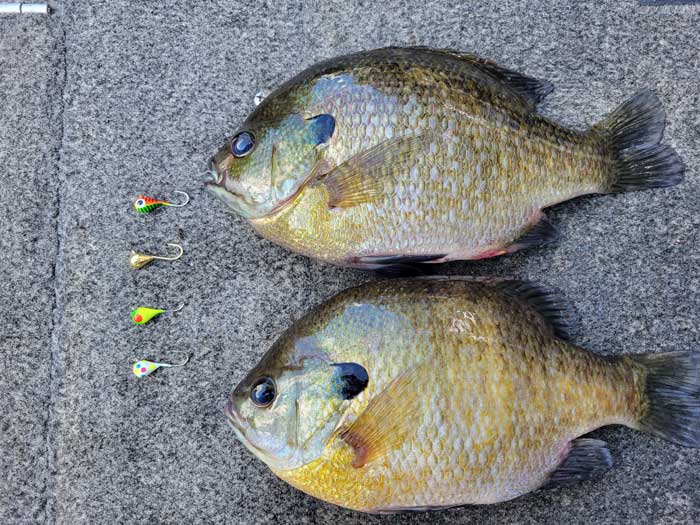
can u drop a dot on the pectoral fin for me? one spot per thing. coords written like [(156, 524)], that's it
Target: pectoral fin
[(370, 174), (388, 420)]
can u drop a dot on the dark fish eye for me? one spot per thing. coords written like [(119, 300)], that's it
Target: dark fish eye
[(242, 144), (263, 392)]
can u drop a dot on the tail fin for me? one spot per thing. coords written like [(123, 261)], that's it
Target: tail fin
[(672, 396), (633, 132)]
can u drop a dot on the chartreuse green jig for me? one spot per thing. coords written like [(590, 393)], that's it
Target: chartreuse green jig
[(143, 314)]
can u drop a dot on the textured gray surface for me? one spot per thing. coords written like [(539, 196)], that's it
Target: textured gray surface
[(107, 99), (29, 142)]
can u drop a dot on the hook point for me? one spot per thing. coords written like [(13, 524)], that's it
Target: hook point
[(179, 248), (179, 307), (187, 199)]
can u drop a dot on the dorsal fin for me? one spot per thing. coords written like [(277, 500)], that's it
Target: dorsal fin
[(533, 90), (556, 311), (530, 88)]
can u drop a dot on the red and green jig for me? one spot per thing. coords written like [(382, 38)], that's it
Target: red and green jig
[(143, 314), (145, 204)]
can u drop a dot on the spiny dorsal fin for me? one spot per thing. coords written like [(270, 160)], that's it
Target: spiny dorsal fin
[(547, 303), (533, 90), (368, 175), (586, 459), (554, 310), (377, 430)]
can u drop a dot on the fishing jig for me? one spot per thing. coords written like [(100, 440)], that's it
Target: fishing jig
[(145, 204), (139, 260), (143, 314), (144, 367)]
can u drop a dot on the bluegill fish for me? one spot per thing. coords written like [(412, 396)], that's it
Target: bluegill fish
[(438, 392), (422, 155)]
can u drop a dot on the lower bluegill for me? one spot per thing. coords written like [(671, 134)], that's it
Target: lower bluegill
[(438, 392)]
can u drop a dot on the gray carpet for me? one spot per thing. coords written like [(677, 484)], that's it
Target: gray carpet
[(107, 99)]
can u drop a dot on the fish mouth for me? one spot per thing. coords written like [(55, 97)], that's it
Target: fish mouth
[(216, 181), (236, 422)]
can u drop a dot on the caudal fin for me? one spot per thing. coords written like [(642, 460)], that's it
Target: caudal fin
[(672, 392), (633, 132)]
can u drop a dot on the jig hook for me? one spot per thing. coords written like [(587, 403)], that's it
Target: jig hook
[(139, 260)]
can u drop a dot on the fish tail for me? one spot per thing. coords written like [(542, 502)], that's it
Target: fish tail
[(632, 132), (671, 403)]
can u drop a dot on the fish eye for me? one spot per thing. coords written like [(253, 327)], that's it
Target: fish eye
[(242, 144), (263, 392)]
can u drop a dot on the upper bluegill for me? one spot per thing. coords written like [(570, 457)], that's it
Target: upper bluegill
[(424, 393), (425, 155)]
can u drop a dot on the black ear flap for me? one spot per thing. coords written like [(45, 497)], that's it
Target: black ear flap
[(352, 379), (322, 127)]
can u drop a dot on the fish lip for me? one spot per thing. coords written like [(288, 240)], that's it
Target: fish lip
[(216, 178), (213, 176), (238, 425), (233, 415)]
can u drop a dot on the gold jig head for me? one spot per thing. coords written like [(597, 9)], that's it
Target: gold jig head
[(139, 260)]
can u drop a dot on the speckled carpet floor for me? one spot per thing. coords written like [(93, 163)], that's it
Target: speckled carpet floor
[(106, 99)]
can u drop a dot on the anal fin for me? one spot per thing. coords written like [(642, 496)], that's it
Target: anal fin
[(541, 234), (586, 459)]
